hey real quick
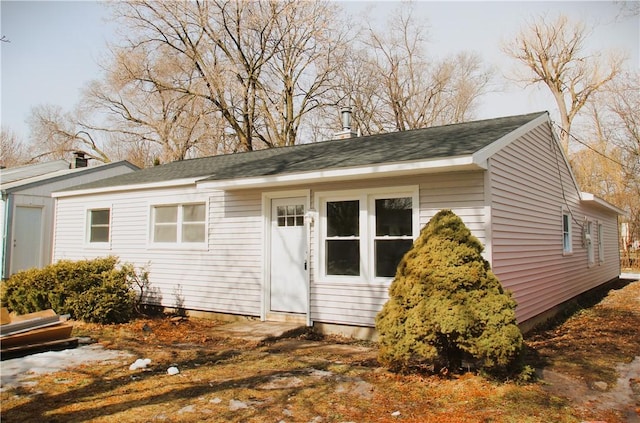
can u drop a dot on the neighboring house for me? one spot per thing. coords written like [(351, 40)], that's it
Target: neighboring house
[(315, 231), (26, 207)]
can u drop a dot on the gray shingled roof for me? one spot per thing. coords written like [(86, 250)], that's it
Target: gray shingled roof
[(454, 140)]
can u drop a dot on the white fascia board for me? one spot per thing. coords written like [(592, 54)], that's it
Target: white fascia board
[(587, 197), (122, 188), (346, 174), (481, 156)]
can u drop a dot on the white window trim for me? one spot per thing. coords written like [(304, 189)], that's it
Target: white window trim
[(591, 256), (179, 244), (367, 198), (565, 251), (600, 227), (87, 227)]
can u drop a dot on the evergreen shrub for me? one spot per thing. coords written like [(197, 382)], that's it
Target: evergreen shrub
[(446, 305), (96, 290)]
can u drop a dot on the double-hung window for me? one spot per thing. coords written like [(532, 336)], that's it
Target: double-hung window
[(567, 247), (343, 238), (179, 223), (99, 223), (365, 234), (600, 243), (393, 234)]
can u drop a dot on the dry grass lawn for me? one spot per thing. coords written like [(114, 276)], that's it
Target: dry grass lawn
[(306, 379)]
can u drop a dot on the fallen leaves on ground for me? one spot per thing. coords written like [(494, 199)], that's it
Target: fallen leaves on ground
[(313, 379)]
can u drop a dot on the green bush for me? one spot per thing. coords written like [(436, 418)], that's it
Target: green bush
[(445, 305), (92, 290)]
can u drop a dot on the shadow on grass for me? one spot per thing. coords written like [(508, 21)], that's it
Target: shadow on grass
[(42, 407)]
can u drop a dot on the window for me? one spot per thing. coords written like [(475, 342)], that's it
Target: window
[(290, 215), (99, 225), (567, 246), (589, 242), (185, 223), (600, 243), (343, 238), (394, 233), (365, 234)]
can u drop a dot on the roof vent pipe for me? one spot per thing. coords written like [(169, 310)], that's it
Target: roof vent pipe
[(346, 118), (346, 132)]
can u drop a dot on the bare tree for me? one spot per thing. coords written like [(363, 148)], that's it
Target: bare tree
[(261, 66), (609, 165), (13, 152), (394, 86), (158, 123), (553, 53), (56, 134)]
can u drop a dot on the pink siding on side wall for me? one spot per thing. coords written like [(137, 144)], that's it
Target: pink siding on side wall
[(530, 186)]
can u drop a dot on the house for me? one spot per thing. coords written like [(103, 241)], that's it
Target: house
[(26, 207), (315, 231)]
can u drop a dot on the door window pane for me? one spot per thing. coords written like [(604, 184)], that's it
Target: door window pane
[(290, 215)]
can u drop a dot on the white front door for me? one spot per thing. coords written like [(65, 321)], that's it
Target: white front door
[(288, 290), (26, 250)]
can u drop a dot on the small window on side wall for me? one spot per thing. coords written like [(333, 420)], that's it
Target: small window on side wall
[(567, 246), (99, 221)]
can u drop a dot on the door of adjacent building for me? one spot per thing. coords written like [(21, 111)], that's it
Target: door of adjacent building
[(26, 238), (289, 287)]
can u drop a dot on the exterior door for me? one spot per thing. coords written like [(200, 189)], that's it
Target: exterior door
[(26, 249), (288, 291)]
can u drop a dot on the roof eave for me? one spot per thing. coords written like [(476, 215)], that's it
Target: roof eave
[(382, 170), (123, 188), (589, 198)]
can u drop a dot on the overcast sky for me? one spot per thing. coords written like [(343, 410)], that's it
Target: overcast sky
[(55, 46)]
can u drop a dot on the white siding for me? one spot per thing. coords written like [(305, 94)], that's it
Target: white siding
[(39, 195), (223, 277), (530, 186), (358, 303), (227, 277)]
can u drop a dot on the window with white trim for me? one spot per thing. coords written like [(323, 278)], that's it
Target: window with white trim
[(567, 246), (179, 223), (366, 234), (342, 243), (393, 235), (600, 243), (99, 225), (589, 242)]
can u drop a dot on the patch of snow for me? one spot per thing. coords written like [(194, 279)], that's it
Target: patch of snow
[(396, 414), (216, 400), (237, 405), (173, 370), (15, 371), (140, 363)]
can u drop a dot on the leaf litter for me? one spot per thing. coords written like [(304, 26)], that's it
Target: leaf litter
[(313, 379)]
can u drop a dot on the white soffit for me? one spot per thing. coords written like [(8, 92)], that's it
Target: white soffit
[(589, 198)]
